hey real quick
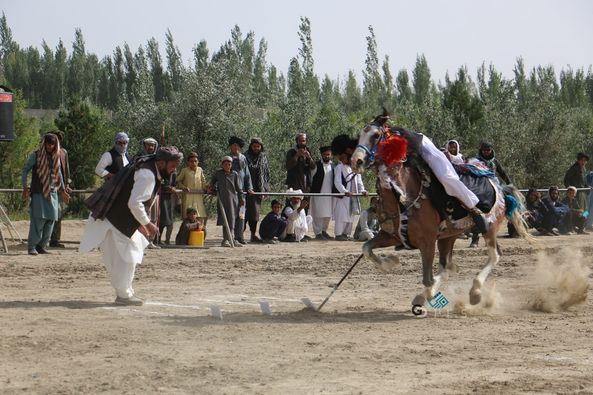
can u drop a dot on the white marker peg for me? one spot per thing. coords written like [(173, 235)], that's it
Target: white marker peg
[(265, 308), (215, 311), (307, 302)]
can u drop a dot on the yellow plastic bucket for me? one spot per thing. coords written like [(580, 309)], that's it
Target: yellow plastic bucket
[(196, 238)]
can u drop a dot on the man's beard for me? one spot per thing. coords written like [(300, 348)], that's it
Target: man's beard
[(120, 149), (326, 160), (296, 206)]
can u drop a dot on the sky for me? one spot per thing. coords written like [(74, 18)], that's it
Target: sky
[(449, 33)]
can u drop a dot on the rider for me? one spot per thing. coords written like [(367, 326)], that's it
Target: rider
[(441, 167)]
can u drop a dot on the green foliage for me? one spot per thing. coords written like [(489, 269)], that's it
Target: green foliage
[(537, 120)]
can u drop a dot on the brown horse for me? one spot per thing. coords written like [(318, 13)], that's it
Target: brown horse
[(409, 219)]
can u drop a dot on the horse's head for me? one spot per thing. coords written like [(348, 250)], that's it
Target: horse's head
[(368, 141)]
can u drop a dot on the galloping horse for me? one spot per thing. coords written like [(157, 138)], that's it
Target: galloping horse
[(411, 216)]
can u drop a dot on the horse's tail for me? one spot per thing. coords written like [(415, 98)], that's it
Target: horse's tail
[(515, 211)]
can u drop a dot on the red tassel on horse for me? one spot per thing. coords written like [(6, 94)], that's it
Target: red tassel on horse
[(393, 150)]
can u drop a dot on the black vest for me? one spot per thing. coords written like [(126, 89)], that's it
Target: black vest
[(319, 176), (117, 162), (119, 214), (35, 181), (344, 183), (414, 140)]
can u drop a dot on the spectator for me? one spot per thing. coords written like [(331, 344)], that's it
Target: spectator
[(191, 179), (240, 166), (190, 222), (322, 206), (576, 217), (166, 206), (225, 183), (297, 221), (148, 146), (273, 224), (538, 216), (46, 180), (115, 159), (557, 210), (346, 182), (257, 163), (56, 234), (368, 224), (575, 176), (299, 165), (453, 152), (589, 222)]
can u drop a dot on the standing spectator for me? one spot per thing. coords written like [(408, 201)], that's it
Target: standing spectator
[(556, 208), (453, 152), (257, 163), (299, 165), (225, 183), (486, 156), (346, 182), (575, 219), (148, 146), (166, 207), (190, 222), (56, 234), (236, 144), (368, 224), (297, 221), (575, 176), (322, 206), (115, 159), (119, 224), (46, 180), (192, 179), (273, 224)]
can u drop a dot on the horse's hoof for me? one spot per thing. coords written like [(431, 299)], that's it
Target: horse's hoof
[(419, 311), (419, 300), (475, 296)]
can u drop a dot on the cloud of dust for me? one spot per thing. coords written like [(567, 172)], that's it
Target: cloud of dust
[(560, 281), (491, 301)]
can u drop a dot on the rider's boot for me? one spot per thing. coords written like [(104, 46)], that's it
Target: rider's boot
[(479, 219)]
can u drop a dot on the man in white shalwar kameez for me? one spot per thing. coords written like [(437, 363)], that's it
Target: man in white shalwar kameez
[(121, 231), (322, 207), (345, 208)]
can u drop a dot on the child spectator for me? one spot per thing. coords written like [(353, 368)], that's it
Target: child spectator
[(190, 222), (273, 224), (225, 183)]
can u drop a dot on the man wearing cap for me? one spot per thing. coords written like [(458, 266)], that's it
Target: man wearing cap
[(299, 165), (148, 146), (322, 206), (115, 159), (575, 176), (257, 163), (118, 223), (240, 165), (298, 221)]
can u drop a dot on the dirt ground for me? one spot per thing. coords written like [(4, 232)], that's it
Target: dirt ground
[(61, 334)]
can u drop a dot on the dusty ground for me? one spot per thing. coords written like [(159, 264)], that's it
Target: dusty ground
[(60, 332)]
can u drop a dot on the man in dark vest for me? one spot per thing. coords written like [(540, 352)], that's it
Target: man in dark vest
[(575, 176), (56, 234), (115, 159), (119, 225), (299, 165), (322, 206)]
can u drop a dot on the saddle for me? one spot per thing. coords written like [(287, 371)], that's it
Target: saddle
[(479, 182)]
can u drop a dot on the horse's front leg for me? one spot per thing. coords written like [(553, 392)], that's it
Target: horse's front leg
[(475, 293), (430, 282), (382, 240), (446, 264)]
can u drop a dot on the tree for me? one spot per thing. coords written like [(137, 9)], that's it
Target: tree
[(403, 90), (156, 70), (421, 80), (372, 83), (201, 56), (174, 64)]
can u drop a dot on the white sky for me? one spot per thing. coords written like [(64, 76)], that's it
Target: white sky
[(450, 33)]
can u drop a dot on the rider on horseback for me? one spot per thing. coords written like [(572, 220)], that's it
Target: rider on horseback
[(422, 146)]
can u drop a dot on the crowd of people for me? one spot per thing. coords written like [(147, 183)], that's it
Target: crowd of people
[(135, 207)]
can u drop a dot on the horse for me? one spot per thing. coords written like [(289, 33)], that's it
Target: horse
[(410, 217)]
